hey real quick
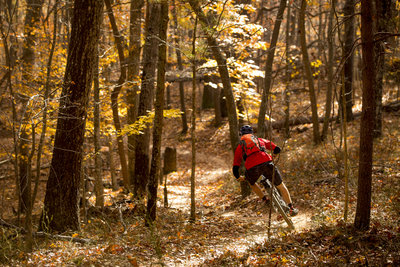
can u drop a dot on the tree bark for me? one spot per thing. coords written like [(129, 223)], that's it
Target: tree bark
[(115, 94), (60, 212), (32, 19), (158, 120), (142, 156), (217, 108), (192, 217), (180, 67), (135, 31), (223, 71), (328, 102), (287, 74), (99, 189), (383, 18), (363, 211), (348, 12), (307, 68), (261, 127)]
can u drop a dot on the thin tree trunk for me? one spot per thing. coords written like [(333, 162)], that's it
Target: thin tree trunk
[(217, 107), (180, 67), (114, 181), (261, 127), (328, 103), (223, 71), (193, 131), (115, 94), (29, 203), (32, 18), (46, 96), (142, 154), (287, 74), (99, 189), (348, 11), (135, 31), (307, 68), (363, 211), (10, 63), (60, 212), (383, 14), (158, 120)]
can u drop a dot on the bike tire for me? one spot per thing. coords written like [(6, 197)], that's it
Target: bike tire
[(276, 199), (279, 204)]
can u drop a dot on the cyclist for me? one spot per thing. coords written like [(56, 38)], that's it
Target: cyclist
[(258, 162)]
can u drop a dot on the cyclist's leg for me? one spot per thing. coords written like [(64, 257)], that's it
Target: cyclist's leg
[(271, 170), (252, 176), (284, 192)]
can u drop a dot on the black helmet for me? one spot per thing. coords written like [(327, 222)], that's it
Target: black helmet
[(246, 129)]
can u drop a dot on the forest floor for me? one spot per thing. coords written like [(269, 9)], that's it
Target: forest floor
[(229, 230)]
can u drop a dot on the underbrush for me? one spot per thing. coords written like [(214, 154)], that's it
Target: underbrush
[(336, 245)]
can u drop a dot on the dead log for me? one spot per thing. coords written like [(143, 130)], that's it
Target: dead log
[(388, 107)]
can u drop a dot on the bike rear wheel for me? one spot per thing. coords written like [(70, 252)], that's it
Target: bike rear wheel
[(277, 201)]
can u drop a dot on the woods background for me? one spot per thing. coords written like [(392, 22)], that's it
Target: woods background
[(92, 93)]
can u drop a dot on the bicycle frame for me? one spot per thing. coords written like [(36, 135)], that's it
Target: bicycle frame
[(277, 201)]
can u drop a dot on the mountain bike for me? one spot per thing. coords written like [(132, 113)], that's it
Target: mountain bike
[(277, 202)]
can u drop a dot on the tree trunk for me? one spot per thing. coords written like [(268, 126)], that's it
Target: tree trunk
[(192, 217), (328, 103), (217, 108), (307, 68), (223, 71), (383, 15), (180, 67), (158, 120), (142, 157), (99, 189), (261, 127), (115, 94), (363, 211), (287, 75), (169, 160), (348, 12), (135, 29), (45, 108), (241, 109), (32, 19), (207, 100), (60, 212), (110, 158)]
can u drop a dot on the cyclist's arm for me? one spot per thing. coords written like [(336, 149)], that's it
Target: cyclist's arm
[(237, 160), (270, 146)]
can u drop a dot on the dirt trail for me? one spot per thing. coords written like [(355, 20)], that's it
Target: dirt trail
[(225, 223)]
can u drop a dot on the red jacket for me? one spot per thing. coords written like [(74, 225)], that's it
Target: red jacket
[(255, 158)]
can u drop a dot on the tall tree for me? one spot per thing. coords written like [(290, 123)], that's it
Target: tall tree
[(135, 33), (383, 19), (32, 19), (115, 93), (287, 74), (348, 12), (158, 120), (60, 211), (363, 211), (307, 69), (261, 131), (149, 60), (180, 68), (328, 102), (208, 25), (98, 185), (192, 217)]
